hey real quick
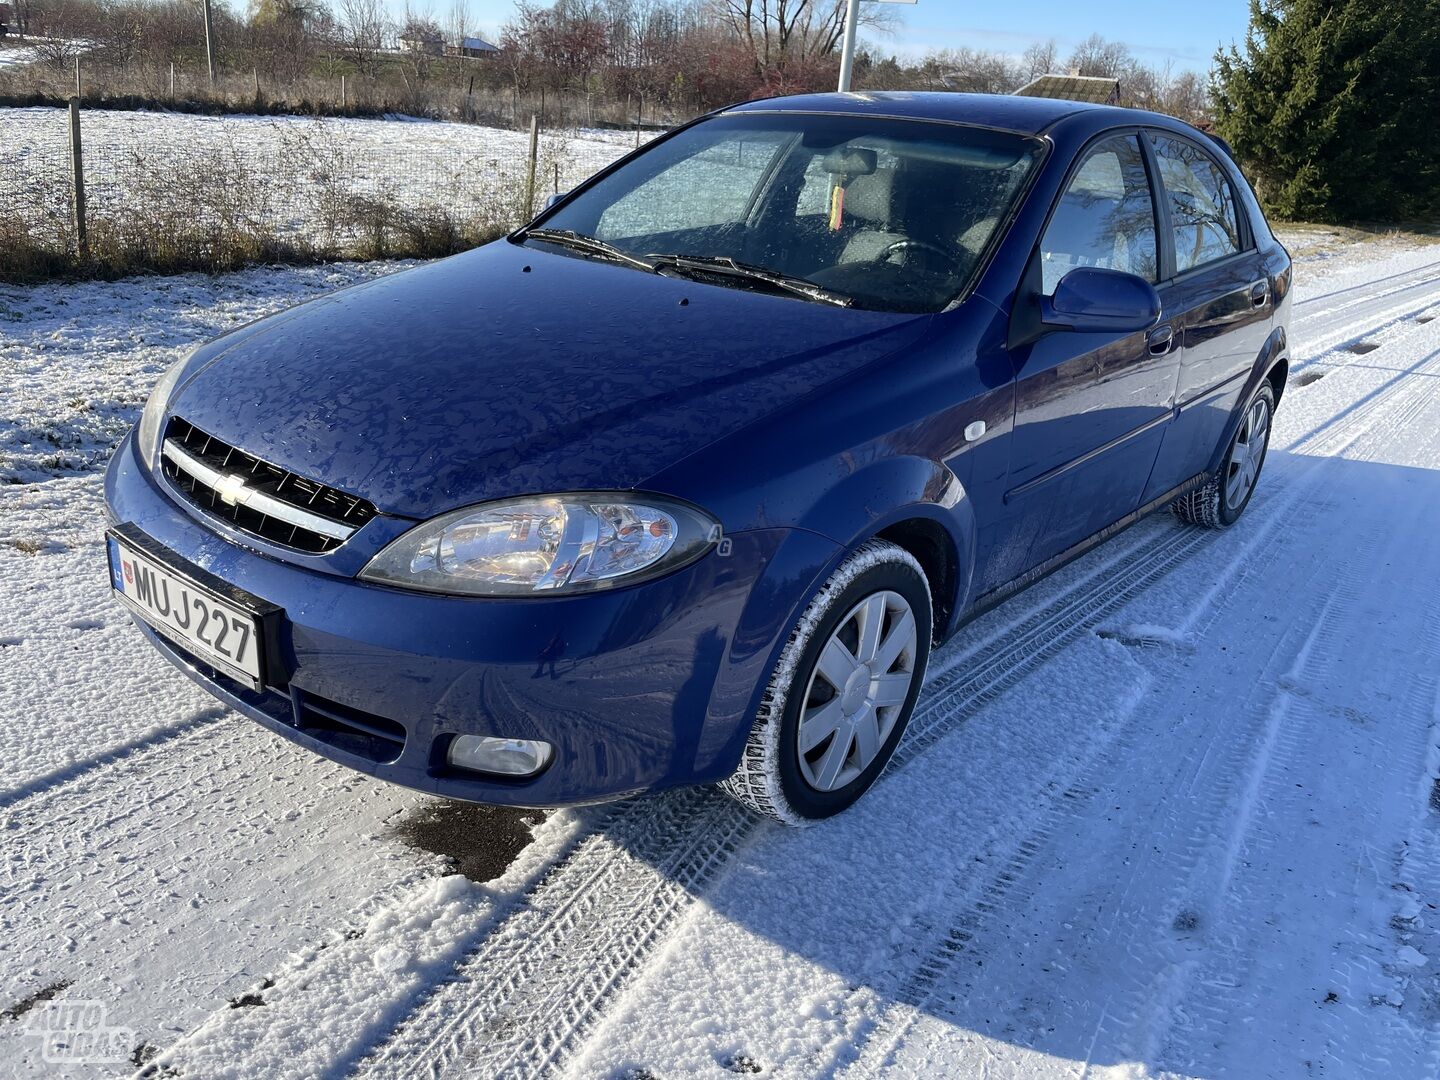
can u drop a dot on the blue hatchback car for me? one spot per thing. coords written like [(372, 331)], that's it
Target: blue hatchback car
[(679, 483)]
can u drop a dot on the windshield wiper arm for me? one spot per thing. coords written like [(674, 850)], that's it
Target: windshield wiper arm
[(588, 244), (723, 264)]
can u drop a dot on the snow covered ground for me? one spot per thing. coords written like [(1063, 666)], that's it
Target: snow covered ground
[(1171, 812), (14, 54)]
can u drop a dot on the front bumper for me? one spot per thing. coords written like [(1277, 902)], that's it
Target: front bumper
[(645, 687)]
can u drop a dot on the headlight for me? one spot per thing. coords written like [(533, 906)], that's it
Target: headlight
[(545, 545), (154, 414)]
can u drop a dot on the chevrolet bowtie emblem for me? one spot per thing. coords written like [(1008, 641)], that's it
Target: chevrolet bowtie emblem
[(232, 490)]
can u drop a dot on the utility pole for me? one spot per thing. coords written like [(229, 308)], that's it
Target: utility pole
[(209, 45), (847, 48)]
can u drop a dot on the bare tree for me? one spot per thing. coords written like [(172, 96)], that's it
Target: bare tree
[(778, 33), (1107, 59), (458, 22), (1039, 59), (365, 27)]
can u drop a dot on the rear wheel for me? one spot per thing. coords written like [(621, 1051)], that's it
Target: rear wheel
[(1222, 500), (842, 692)]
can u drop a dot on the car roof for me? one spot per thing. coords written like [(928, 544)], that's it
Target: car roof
[(1028, 115)]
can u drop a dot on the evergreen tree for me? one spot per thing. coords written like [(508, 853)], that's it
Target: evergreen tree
[(1333, 107)]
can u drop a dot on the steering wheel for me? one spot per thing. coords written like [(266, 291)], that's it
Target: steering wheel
[(951, 254)]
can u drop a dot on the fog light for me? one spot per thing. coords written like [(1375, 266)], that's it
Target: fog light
[(503, 757)]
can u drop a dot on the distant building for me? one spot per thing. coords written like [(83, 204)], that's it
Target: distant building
[(473, 48), (1091, 88), (425, 41)]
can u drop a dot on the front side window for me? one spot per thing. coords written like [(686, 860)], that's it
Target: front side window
[(1202, 204), (1105, 218), (889, 214)]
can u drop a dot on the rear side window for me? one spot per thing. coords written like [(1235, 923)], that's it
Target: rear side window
[(1105, 218), (1203, 217)]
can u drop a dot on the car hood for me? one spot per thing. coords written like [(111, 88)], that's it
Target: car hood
[(510, 370)]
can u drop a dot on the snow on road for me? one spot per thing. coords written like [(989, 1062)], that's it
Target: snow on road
[(1170, 812)]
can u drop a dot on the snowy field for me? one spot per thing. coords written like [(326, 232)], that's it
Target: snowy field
[(283, 169), (1171, 812), (14, 55)]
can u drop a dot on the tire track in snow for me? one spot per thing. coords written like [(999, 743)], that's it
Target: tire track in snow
[(538, 982), (1270, 831), (1381, 286), (1397, 403), (1141, 981), (156, 848), (985, 901), (1321, 333), (48, 784), (1347, 747)]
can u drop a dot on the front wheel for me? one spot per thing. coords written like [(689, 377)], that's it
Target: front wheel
[(1222, 500), (842, 692)]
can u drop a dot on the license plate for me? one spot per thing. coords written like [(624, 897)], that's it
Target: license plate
[(223, 634)]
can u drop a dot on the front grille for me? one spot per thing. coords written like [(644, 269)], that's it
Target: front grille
[(360, 733), (328, 515)]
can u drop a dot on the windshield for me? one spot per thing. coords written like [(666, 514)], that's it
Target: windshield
[(887, 214)]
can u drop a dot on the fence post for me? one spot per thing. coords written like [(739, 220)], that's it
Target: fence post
[(79, 93), (639, 115), (469, 100), (172, 78), (256, 73), (534, 162), (77, 166), (557, 178), (342, 94)]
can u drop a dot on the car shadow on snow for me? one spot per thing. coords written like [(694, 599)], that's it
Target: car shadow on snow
[(985, 882)]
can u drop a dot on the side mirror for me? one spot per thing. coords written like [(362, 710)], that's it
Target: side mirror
[(1092, 300), (551, 200)]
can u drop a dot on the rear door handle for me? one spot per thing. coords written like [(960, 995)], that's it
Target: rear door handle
[(1161, 340), (1260, 293)]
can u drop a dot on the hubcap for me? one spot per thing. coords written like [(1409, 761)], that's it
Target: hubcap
[(1247, 453), (857, 690)]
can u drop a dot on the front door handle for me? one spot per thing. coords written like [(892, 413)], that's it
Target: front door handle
[(1260, 293), (1161, 340)]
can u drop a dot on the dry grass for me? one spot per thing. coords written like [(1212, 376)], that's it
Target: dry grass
[(221, 207), (446, 93), (1309, 240)]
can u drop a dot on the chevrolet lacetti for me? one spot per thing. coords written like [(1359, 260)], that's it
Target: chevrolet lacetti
[(680, 483)]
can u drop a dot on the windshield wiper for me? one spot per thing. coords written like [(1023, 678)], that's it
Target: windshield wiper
[(723, 264), (588, 244)]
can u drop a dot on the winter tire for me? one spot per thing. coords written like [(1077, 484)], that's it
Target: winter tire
[(1221, 501), (842, 691)]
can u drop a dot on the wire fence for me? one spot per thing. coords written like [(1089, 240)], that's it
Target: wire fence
[(166, 192)]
